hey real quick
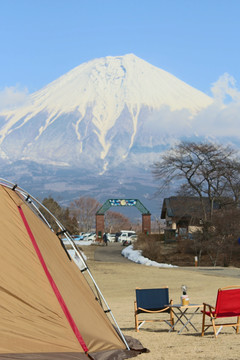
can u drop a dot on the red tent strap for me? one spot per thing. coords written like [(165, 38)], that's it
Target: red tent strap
[(54, 286)]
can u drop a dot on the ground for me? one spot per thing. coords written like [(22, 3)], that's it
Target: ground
[(118, 278)]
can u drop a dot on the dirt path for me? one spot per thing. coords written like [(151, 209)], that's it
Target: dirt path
[(110, 253), (216, 271)]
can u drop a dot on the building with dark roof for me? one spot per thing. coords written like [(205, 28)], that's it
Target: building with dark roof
[(184, 214)]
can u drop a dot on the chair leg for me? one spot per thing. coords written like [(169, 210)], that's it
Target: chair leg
[(171, 316), (136, 316), (238, 323), (214, 327), (203, 323)]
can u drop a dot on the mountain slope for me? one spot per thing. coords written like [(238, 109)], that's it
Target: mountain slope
[(102, 114)]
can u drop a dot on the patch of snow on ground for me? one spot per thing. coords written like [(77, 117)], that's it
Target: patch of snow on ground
[(136, 256), (83, 242), (77, 259)]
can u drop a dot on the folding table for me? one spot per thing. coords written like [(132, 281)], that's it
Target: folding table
[(184, 315)]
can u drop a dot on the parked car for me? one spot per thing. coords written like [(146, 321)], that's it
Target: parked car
[(117, 236), (129, 240), (133, 238), (111, 237), (126, 242), (77, 237), (125, 235), (74, 238), (91, 236), (86, 235)]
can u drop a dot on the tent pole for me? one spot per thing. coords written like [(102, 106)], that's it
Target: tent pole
[(98, 290)]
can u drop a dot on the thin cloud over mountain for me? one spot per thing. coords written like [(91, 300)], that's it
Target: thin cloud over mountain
[(13, 97)]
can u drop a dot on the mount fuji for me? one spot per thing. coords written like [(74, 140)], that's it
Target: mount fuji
[(97, 129)]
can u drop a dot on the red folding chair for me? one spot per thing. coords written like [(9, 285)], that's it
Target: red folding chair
[(227, 306)]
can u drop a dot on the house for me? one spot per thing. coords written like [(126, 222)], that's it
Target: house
[(183, 215)]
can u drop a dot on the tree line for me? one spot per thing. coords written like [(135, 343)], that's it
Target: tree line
[(79, 216)]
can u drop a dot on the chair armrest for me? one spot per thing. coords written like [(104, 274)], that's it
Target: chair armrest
[(209, 306), (153, 311)]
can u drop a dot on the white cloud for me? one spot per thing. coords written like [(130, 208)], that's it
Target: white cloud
[(222, 118), (12, 97), (219, 120), (225, 87)]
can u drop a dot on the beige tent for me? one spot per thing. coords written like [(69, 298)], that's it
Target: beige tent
[(47, 308)]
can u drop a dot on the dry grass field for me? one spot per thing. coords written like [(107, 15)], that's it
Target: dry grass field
[(118, 281)]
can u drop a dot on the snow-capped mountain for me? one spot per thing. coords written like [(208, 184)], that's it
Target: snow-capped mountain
[(98, 114), (108, 116)]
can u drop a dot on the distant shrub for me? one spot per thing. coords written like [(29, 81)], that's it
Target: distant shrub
[(183, 252), (150, 245)]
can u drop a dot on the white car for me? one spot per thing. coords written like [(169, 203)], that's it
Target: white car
[(111, 237), (125, 235), (133, 238), (90, 237), (129, 240)]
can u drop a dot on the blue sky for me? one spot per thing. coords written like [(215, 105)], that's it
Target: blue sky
[(195, 40)]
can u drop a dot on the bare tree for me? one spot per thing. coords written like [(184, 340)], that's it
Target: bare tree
[(224, 235), (84, 209), (158, 225), (231, 174), (202, 170), (210, 172), (115, 222)]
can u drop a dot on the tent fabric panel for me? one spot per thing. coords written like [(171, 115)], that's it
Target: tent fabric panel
[(53, 285), (93, 324), (31, 317), (136, 348), (45, 356)]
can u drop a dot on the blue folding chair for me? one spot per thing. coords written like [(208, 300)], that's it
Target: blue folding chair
[(152, 301)]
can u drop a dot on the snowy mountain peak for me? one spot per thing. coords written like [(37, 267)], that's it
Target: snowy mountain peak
[(98, 114), (118, 81)]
